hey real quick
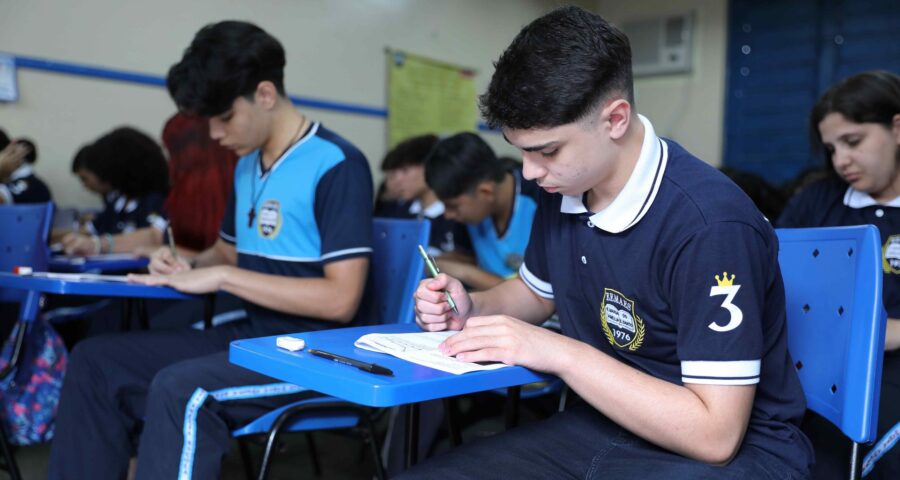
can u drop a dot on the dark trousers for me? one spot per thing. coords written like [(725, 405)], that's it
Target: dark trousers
[(169, 397), (582, 443)]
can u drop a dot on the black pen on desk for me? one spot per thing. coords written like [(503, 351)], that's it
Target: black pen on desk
[(433, 269), (366, 367)]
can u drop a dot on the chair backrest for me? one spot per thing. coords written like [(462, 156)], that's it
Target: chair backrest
[(836, 321), (395, 270), (24, 230)]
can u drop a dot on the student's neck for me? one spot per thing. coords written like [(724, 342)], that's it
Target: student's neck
[(504, 201), (427, 198), (603, 194), (287, 127)]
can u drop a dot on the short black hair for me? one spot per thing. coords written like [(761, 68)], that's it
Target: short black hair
[(4, 139), (557, 70), (456, 165), (868, 97), (31, 156), (226, 60), (411, 151), (128, 160)]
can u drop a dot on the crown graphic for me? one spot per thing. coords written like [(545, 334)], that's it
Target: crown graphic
[(725, 281)]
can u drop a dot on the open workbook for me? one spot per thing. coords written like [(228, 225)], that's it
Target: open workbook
[(421, 348)]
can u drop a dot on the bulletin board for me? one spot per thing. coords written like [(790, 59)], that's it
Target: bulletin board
[(428, 96)]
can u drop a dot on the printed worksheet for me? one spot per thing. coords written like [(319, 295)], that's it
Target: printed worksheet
[(421, 348)]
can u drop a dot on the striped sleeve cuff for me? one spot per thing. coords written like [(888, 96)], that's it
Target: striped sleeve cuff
[(228, 238), (538, 286), (740, 372)]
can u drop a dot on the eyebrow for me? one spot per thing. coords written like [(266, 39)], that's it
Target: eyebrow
[(534, 148)]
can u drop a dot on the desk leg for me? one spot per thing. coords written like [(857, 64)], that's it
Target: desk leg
[(512, 406), (209, 308), (126, 314), (452, 421), (143, 316), (412, 434)]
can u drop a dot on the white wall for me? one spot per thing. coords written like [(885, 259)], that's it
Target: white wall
[(688, 108), (335, 51)]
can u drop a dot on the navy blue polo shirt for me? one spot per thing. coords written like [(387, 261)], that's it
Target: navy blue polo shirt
[(502, 254), (678, 277), (122, 214), (833, 203), (446, 235), (24, 187), (311, 207)]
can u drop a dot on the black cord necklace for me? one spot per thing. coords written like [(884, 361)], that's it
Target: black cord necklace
[(265, 173)]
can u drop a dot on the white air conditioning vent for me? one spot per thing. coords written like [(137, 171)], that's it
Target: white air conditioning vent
[(660, 45)]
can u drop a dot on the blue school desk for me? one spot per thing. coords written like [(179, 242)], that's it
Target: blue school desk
[(411, 383), (97, 263)]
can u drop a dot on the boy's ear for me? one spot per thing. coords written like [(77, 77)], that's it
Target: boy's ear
[(618, 113), (486, 189), (266, 94)]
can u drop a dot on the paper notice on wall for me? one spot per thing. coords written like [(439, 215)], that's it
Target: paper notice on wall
[(9, 91)]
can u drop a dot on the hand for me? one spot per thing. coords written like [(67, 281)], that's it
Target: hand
[(433, 313), (500, 338), (80, 244), (12, 158), (200, 280), (162, 262)]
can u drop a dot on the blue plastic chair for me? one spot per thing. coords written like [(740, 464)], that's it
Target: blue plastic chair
[(24, 230), (836, 324), (394, 273)]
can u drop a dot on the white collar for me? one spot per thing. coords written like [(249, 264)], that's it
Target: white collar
[(434, 210), (855, 199), (633, 202), (24, 170)]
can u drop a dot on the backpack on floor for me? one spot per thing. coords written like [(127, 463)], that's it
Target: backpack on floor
[(29, 395)]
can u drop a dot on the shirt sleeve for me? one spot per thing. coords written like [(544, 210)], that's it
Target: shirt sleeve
[(718, 290), (534, 270), (226, 231), (343, 209)]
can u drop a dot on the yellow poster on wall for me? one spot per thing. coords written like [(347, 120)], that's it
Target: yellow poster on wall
[(428, 96)]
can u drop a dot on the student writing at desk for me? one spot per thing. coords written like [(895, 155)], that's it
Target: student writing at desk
[(664, 275), (295, 245)]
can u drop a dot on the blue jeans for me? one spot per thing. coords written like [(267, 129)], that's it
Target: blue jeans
[(582, 443)]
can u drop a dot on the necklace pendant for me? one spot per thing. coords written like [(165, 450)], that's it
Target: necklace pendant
[(251, 214)]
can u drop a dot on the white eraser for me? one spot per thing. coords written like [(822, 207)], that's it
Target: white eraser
[(290, 343)]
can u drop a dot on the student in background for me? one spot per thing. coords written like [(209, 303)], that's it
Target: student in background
[(404, 170), (294, 245), (127, 168), (493, 201), (768, 199), (856, 124), (18, 183), (683, 370)]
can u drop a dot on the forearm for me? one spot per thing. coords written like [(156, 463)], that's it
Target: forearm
[(515, 299), (671, 416), (320, 298), (470, 275), (892, 335), (140, 239), (220, 253)]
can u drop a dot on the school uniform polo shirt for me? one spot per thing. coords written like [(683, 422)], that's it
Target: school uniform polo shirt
[(678, 277), (122, 214), (502, 254), (832, 203), (24, 187), (446, 235), (313, 206)]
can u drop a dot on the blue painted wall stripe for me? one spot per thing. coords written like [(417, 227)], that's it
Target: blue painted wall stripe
[(104, 73)]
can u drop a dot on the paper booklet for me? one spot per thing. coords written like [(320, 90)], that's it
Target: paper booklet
[(421, 348), (82, 277)]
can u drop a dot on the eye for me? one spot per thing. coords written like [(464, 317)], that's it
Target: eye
[(852, 142), (549, 154)]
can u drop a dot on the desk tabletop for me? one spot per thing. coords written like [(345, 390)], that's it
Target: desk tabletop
[(88, 287), (411, 382), (97, 263)]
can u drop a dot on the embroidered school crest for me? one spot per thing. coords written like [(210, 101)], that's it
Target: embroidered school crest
[(269, 222), (622, 326), (890, 255)]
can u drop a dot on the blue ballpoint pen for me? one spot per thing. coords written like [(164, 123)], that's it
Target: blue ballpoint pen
[(433, 269)]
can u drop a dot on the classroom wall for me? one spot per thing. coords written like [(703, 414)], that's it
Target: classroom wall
[(688, 108), (335, 52)]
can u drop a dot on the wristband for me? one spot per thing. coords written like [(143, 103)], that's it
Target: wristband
[(110, 243), (96, 240)]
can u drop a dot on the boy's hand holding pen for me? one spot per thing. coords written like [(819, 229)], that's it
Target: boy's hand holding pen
[(433, 270)]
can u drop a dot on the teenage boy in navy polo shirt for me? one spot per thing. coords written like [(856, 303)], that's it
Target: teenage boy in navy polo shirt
[(663, 273), (481, 191), (294, 245)]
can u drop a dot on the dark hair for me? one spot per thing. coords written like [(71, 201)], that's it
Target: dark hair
[(411, 151), (128, 160), (558, 69), (769, 199), (459, 163), (4, 139), (31, 156), (868, 97), (226, 60)]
